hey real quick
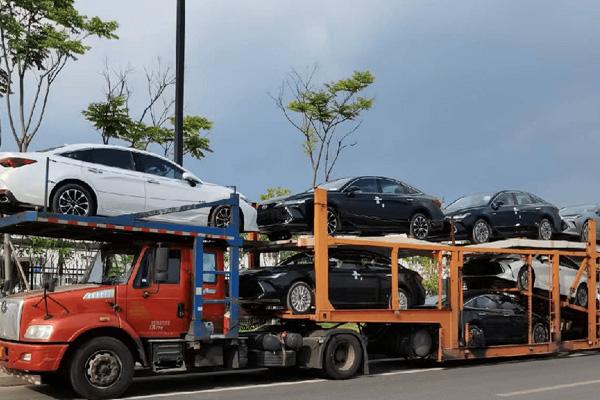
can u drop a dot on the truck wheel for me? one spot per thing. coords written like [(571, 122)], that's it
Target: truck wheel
[(343, 357), (101, 369)]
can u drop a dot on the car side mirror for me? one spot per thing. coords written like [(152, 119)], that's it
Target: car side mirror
[(352, 190), (496, 204), (191, 179), (161, 264)]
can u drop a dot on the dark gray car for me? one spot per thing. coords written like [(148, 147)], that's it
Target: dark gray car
[(577, 218)]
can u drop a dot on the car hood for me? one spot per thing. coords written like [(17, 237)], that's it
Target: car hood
[(268, 271), (462, 211), (291, 198)]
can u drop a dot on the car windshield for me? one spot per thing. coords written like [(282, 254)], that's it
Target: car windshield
[(333, 185), (111, 266), (474, 200)]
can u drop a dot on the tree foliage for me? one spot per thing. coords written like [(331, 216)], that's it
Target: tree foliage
[(155, 125), (273, 192), (326, 116), (37, 39)]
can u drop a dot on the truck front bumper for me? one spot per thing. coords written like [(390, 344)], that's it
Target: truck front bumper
[(31, 357)]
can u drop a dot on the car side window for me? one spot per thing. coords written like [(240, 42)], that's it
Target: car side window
[(156, 166), (506, 199), (523, 198), (484, 302), (345, 260), (366, 185), (389, 186), (81, 155), (113, 158)]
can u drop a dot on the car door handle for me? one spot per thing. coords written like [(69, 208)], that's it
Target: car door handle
[(153, 181), (94, 171), (410, 199), (481, 313), (506, 314)]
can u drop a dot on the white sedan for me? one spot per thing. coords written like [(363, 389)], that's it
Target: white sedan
[(92, 179), (513, 269)]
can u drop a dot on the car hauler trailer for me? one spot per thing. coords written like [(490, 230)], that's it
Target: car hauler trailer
[(177, 308)]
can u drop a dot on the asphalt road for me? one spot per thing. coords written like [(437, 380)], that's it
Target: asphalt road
[(574, 377)]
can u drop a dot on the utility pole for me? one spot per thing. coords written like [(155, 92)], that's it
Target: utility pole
[(179, 69)]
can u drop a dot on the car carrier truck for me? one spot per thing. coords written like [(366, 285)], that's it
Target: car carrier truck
[(158, 297)]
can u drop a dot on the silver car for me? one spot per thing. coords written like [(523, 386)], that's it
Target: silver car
[(577, 217)]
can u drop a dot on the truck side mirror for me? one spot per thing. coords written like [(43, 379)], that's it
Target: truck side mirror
[(161, 264), (49, 283)]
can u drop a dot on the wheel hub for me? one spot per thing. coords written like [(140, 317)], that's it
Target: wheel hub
[(73, 202), (223, 217), (420, 227), (103, 369), (301, 299)]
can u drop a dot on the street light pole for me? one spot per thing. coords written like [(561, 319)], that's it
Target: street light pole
[(179, 69)]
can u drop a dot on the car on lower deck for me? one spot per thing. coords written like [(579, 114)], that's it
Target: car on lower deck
[(357, 279), (364, 205), (500, 318), (511, 270), (93, 179), (508, 213)]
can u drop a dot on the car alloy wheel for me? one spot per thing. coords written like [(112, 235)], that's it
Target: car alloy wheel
[(73, 202), (222, 217), (403, 300), (333, 223), (545, 230), (540, 333), (481, 231), (419, 226), (523, 278), (581, 296), (300, 298), (477, 337), (103, 369)]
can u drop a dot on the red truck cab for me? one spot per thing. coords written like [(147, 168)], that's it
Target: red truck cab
[(125, 295)]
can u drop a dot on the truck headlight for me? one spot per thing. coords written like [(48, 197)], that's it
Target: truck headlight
[(39, 332)]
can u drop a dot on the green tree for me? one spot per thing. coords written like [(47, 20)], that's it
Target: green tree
[(326, 116), (155, 125), (37, 39), (277, 191)]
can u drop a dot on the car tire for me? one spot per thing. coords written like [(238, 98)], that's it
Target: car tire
[(581, 295), (522, 283), (404, 299), (334, 223), (220, 217), (545, 229), (73, 199), (300, 298), (540, 333), (481, 232), (343, 357), (477, 336), (101, 368), (420, 226)]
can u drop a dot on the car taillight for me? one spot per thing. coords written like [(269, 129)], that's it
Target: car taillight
[(437, 202), (15, 162)]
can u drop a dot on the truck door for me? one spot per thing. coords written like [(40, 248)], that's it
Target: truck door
[(214, 288), (158, 306)]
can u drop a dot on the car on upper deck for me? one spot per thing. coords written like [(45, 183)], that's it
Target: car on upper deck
[(577, 219), (93, 179), (508, 213), (364, 205)]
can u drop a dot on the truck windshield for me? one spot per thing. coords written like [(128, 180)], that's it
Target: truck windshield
[(111, 266)]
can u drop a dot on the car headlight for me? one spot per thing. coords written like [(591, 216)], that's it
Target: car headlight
[(460, 216), (39, 332), (572, 216), (292, 202)]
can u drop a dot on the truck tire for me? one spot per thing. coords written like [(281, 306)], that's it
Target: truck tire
[(343, 357), (101, 368)]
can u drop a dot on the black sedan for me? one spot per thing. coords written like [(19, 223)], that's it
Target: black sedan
[(365, 204), (508, 213), (357, 279), (498, 318)]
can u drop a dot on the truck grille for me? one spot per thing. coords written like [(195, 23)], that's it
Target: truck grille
[(10, 318)]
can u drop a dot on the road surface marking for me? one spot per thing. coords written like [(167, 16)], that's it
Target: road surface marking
[(549, 388), (227, 389), (409, 371)]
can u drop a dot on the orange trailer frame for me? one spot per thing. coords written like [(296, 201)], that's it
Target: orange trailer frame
[(451, 344)]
